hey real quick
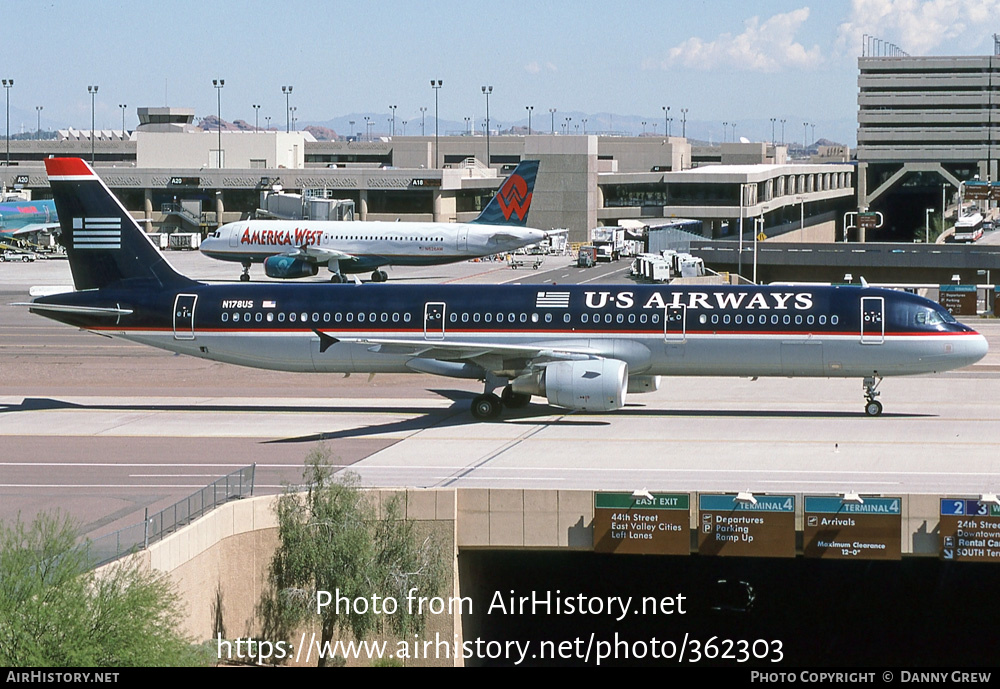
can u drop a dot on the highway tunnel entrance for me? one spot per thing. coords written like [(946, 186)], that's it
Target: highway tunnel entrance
[(810, 612)]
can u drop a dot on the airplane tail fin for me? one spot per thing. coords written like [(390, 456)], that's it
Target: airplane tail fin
[(104, 244), (513, 199)]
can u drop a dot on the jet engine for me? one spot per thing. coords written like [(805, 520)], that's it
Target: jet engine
[(288, 267), (638, 384), (591, 385)]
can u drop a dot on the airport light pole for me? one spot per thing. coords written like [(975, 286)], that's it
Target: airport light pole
[(92, 90), (805, 135), (367, 128), (287, 90), (725, 127), (218, 84), (351, 123), (552, 113), (256, 118), (267, 122), (123, 106), (295, 119), (468, 127), (436, 85), (392, 127), (684, 122), (404, 127), (783, 132), (529, 108), (927, 225), (38, 130), (487, 90), (644, 127), (585, 126), (666, 118), (422, 111), (7, 85), (772, 132), (568, 120), (733, 125)]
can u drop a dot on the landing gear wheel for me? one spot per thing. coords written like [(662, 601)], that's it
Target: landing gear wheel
[(514, 400), (486, 407), (873, 408), (245, 277), (337, 278), (384, 275)]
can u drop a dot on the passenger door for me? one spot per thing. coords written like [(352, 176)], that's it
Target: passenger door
[(872, 320), (675, 323), (184, 316), (434, 320)]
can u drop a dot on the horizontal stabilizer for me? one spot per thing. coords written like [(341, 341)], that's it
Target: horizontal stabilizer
[(83, 310)]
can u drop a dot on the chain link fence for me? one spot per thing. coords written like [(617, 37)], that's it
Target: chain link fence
[(154, 527)]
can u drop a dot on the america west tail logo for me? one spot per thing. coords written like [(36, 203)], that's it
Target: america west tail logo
[(511, 203), (514, 197)]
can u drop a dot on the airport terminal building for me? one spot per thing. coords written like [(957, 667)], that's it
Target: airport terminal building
[(176, 177)]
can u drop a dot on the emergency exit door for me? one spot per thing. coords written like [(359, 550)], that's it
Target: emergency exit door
[(434, 320), (184, 316), (872, 320)]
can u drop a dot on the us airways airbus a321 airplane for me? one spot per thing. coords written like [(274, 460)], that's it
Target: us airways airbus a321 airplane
[(581, 347), (297, 248)]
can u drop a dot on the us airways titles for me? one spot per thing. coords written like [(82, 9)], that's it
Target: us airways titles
[(296, 237), (798, 301)]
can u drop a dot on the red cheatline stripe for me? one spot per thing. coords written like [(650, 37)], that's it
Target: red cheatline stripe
[(65, 167)]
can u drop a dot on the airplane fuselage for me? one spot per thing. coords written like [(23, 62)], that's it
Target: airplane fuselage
[(366, 245), (793, 330)]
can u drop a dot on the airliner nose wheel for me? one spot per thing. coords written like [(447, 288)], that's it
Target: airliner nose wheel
[(486, 406), (245, 277), (872, 406)]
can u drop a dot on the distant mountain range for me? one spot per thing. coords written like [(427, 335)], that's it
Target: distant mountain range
[(699, 133)]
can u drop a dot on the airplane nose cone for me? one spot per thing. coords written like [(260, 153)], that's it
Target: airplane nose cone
[(978, 348)]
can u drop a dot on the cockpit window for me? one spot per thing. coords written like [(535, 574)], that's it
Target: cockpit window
[(934, 317)]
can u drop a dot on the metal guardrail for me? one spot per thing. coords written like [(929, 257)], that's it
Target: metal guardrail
[(234, 486)]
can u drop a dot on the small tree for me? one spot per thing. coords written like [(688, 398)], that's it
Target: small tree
[(331, 539), (55, 611)]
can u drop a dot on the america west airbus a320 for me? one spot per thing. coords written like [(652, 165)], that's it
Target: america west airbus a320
[(579, 346), (298, 248)]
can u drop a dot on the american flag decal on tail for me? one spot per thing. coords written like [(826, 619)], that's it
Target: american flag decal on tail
[(552, 300), (97, 233)]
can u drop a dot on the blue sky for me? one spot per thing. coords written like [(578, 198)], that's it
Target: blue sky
[(741, 62)]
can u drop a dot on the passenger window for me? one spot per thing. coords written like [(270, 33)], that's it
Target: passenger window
[(584, 318), (621, 318), (337, 317), (281, 317), (834, 320), (305, 317), (350, 317), (258, 317), (548, 318), (406, 318), (534, 318), (488, 317), (703, 319), (566, 318), (315, 318), (822, 320), (642, 318), (372, 317), (475, 318), (454, 317), (291, 317), (225, 317), (270, 317), (810, 319), (774, 319), (385, 318), (656, 318), (715, 319), (725, 319), (798, 319), (326, 317), (607, 318), (361, 318), (739, 319), (524, 318), (750, 319), (395, 317)]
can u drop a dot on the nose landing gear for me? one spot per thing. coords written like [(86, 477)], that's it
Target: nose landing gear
[(872, 406), (245, 277)]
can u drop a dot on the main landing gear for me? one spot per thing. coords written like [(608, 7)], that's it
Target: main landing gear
[(245, 277), (872, 406), (379, 276), (489, 406)]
